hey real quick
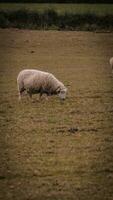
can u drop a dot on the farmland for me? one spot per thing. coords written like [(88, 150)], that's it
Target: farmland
[(52, 150)]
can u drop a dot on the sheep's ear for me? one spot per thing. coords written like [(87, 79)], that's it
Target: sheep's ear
[(58, 90)]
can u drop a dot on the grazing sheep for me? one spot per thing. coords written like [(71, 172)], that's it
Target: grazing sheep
[(111, 63), (35, 81)]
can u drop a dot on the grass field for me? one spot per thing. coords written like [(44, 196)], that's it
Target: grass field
[(51, 150), (99, 9)]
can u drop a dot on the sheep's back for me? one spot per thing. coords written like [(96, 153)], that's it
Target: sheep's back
[(27, 73)]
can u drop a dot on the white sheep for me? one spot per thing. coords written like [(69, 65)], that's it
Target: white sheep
[(111, 63), (35, 81)]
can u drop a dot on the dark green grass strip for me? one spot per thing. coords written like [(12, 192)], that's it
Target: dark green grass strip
[(50, 19)]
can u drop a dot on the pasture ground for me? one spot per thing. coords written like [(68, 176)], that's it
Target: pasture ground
[(51, 150)]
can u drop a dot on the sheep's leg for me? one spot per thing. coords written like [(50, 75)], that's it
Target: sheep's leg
[(40, 96), (19, 96), (46, 97), (30, 95), (20, 93)]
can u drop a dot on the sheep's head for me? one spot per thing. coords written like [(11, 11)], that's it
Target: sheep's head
[(62, 93)]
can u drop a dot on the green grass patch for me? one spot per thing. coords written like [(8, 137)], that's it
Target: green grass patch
[(51, 19), (57, 16), (99, 9)]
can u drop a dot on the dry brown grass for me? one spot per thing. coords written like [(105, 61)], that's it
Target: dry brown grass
[(50, 150)]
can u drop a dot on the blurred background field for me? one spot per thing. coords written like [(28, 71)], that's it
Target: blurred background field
[(84, 17), (99, 9)]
